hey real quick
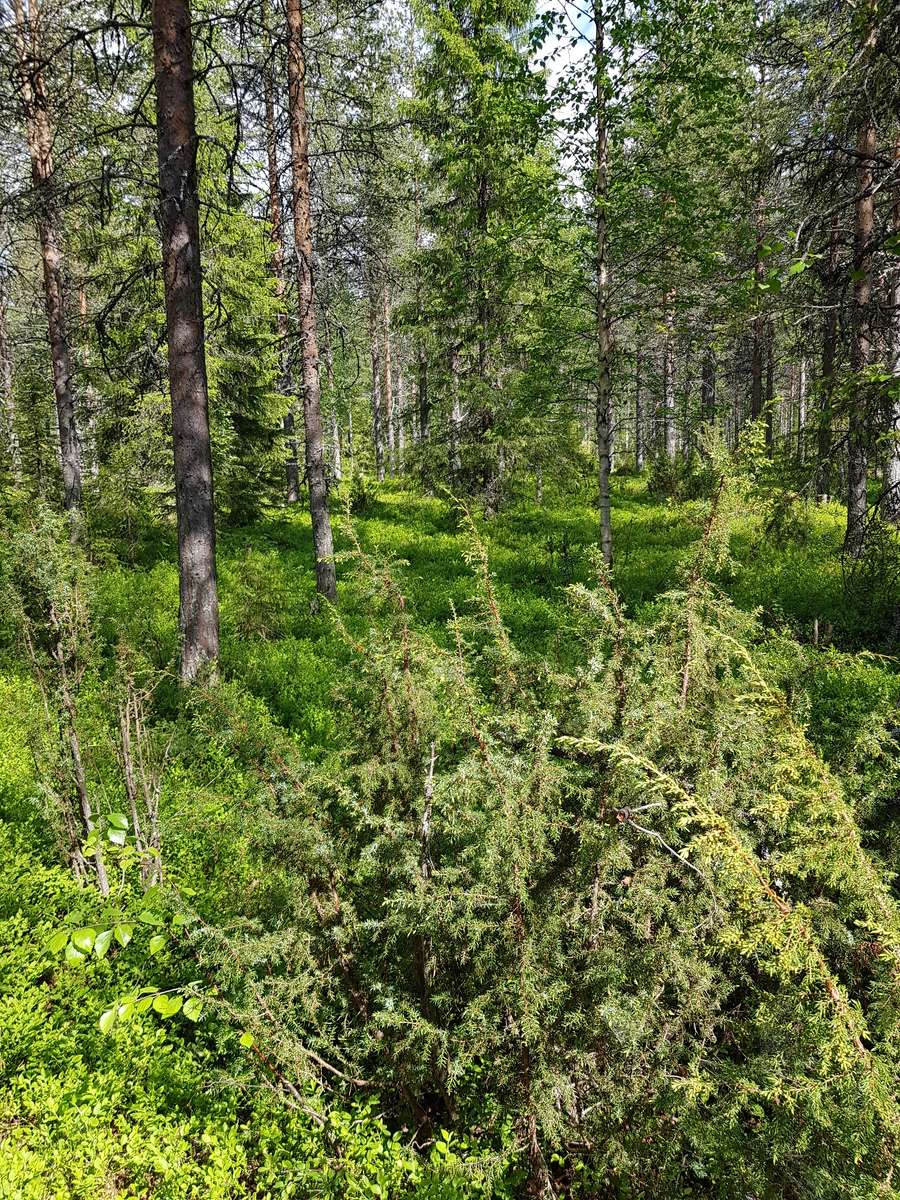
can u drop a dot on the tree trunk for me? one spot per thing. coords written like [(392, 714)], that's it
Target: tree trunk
[(329, 375), (638, 415), (854, 543), (6, 387), (90, 394), (801, 411), (890, 496), (388, 383), (829, 358), (323, 544), (43, 176), (708, 386), (291, 466), (377, 428), (669, 379), (770, 385), (176, 137), (401, 407), (601, 186), (456, 413)]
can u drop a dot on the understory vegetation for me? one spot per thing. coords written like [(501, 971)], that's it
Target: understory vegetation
[(505, 872)]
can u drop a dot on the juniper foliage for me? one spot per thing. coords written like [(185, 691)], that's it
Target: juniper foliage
[(628, 908)]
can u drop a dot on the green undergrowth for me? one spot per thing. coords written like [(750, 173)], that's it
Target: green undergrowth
[(179, 1108)]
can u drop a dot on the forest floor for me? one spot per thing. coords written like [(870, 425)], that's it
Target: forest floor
[(82, 1115)]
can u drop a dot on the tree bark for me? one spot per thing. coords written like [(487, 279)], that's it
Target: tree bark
[(890, 495), (854, 543), (638, 414), (388, 382), (401, 407), (770, 385), (708, 386), (291, 466), (377, 421), (6, 387), (669, 378), (801, 411), (323, 544), (829, 359), (456, 412), (44, 182), (176, 137), (329, 375), (601, 187)]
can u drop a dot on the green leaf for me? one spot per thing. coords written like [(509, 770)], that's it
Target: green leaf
[(123, 934), (108, 1020), (247, 1040), (160, 1004), (118, 837), (118, 820), (83, 939), (143, 1006), (73, 956), (192, 1008), (102, 943), (151, 918), (59, 941), (125, 1010), (157, 942)]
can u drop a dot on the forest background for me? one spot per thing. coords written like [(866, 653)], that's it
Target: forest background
[(450, 475)]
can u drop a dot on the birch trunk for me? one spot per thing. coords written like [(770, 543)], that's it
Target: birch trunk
[(388, 382), (401, 407), (323, 544), (176, 137), (6, 387), (708, 387), (377, 425), (669, 379), (890, 497), (638, 415)]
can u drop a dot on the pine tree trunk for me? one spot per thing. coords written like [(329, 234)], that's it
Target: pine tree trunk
[(377, 424), (47, 203), (601, 185), (854, 543), (323, 544), (329, 374), (291, 466), (890, 496), (176, 136)]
